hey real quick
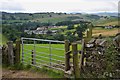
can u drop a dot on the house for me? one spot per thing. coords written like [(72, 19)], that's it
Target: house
[(108, 27), (42, 28)]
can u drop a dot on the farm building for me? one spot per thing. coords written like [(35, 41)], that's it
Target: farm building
[(109, 27), (40, 31)]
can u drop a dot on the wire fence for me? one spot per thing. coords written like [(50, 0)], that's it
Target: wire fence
[(43, 53)]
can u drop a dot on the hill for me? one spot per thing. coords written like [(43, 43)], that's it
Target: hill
[(106, 22), (53, 18), (14, 24), (107, 14)]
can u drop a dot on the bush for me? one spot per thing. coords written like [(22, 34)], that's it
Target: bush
[(59, 37), (69, 27)]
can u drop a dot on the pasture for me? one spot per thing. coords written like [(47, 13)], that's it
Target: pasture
[(104, 32), (43, 51)]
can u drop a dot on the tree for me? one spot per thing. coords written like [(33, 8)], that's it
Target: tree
[(69, 27), (59, 37), (68, 33), (50, 15), (49, 32), (32, 35), (80, 29), (71, 38)]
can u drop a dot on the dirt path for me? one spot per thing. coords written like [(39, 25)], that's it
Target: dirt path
[(22, 74)]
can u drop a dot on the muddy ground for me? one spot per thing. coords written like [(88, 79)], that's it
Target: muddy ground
[(6, 73)]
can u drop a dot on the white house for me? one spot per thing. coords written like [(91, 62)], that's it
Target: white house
[(108, 27)]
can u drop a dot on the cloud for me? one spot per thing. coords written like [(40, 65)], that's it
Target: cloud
[(60, 5), (103, 6), (11, 5)]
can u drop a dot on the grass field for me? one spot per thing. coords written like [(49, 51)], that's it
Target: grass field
[(104, 32), (44, 50), (106, 22), (110, 23)]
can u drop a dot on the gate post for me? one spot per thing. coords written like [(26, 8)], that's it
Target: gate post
[(67, 56), (17, 52), (89, 33), (10, 53), (75, 60)]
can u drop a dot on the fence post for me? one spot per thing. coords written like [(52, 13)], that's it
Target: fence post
[(67, 56), (10, 53), (33, 57), (75, 60), (89, 33), (82, 55), (17, 52)]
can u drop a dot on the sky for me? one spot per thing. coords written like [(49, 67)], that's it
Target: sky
[(84, 6)]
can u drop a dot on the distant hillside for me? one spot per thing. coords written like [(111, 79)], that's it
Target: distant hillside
[(14, 24), (106, 22), (110, 23), (35, 19), (107, 14), (45, 17)]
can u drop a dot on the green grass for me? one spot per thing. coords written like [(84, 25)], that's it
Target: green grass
[(3, 39), (52, 19), (37, 18), (110, 23), (42, 52)]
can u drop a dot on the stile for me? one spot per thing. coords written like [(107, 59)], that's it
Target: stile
[(75, 60), (82, 55), (67, 56)]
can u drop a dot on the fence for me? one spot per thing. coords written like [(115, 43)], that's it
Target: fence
[(43, 53)]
